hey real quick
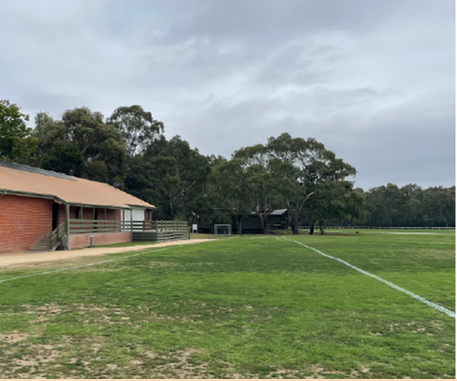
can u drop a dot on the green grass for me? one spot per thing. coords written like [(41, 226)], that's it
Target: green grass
[(248, 307)]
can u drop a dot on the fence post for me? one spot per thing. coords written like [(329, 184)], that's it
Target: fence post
[(67, 224)]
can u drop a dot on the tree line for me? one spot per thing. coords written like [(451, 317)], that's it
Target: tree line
[(128, 149)]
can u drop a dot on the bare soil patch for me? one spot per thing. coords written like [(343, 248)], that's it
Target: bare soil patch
[(24, 260)]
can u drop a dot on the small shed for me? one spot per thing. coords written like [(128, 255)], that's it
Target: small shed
[(44, 210), (276, 220)]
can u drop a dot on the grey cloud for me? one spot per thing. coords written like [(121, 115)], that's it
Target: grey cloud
[(55, 104), (403, 144), (373, 80)]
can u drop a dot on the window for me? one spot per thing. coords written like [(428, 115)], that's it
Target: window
[(78, 214), (147, 215)]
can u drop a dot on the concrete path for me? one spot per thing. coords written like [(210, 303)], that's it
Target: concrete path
[(24, 259)]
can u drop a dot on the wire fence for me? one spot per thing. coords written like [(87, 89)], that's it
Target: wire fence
[(384, 227)]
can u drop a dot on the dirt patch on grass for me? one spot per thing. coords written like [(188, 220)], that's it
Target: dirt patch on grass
[(13, 338), (177, 364), (28, 360), (97, 315)]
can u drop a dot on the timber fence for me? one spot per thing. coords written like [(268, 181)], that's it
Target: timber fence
[(142, 231)]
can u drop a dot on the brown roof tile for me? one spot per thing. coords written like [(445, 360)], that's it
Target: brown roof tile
[(73, 190)]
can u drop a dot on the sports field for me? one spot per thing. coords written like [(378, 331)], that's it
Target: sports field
[(250, 307)]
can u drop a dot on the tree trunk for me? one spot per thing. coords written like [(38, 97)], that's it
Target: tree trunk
[(311, 229), (171, 208), (289, 217), (239, 224), (263, 219), (321, 226), (295, 223), (442, 217), (294, 228)]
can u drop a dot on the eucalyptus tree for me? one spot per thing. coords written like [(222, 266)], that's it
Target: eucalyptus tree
[(307, 167), (17, 142), (384, 205), (439, 204), (99, 144), (137, 127), (411, 206), (64, 158), (181, 172), (260, 183), (227, 188), (334, 200)]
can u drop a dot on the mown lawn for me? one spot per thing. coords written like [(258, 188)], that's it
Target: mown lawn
[(250, 307)]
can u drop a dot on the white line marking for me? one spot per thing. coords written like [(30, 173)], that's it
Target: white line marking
[(413, 295), (87, 265)]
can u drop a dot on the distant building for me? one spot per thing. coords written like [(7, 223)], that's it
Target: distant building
[(44, 210)]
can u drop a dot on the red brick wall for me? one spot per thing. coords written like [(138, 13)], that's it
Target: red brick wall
[(78, 241), (23, 221)]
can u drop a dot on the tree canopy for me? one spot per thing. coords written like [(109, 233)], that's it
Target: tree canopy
[(137, 127), (17, 142), (300, 175), (288, 172)]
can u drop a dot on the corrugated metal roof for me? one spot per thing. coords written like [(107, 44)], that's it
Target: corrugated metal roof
[(73, 190), (276, 212)]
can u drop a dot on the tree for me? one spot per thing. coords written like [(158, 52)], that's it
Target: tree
[(48, 133), (392, 202), (388, 205), (173, 175), (334, 200), (257, 171), (411, 205), (100, 145), (308, 166), (137, 127), (17, 142), (384, 204), (227, 184), (186, 170), (64, 158), (440, 205), (141, 181)]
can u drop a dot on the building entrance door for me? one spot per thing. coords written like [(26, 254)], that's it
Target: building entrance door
[(55, 216)]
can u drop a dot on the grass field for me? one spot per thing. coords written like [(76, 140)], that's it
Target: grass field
[(251, 307)]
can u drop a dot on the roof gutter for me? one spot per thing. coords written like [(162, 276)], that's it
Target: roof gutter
[(142, 206), (62, 201), (31, 194)]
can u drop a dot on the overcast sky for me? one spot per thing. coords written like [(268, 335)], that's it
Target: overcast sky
[(374, 80)]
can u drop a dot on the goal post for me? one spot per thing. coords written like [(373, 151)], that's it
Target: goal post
[(222, 230)]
